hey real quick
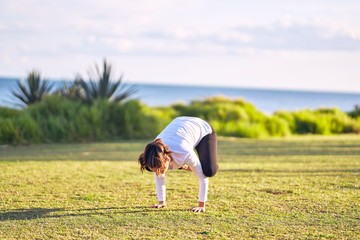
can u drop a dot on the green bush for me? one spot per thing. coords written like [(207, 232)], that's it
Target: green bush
[(305, 122), (321, 121), (161, 116), (98, 120), (9, 112), (217, 108), (289, 118), (252, 130), (230, 128), (59, 119), (63, 119), (17, 127), (135, 120), (55, 117), (8, 132), (82, 129), (128, 119), (225, 115), (339, 122), (277, 126), (27, 129)]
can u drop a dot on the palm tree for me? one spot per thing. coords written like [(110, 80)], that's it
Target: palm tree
[(101, 85), (35, 89)]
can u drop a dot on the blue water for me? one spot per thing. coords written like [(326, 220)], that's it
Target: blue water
[(266, 101)]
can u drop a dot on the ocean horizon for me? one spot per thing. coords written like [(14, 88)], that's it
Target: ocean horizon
[(265, 100)]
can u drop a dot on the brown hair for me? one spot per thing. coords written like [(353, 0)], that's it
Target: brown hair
[(154, 156)]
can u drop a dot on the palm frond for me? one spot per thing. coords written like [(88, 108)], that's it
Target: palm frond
[(35, 89), (101, 86)]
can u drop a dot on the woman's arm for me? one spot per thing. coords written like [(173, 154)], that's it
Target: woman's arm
[(160, 190), (194, 164)]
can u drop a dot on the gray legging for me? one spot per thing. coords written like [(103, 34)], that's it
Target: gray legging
[(206, 150)]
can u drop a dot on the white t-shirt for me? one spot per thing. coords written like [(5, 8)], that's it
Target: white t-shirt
[(182, 135)]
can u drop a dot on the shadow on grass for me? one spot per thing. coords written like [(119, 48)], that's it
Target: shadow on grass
[(26, 214), (36, 213), (292, 173)]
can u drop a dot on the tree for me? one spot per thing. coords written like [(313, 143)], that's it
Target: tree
[(34, 90), (101, 85)]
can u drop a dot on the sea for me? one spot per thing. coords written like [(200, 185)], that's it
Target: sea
[(267, 101)]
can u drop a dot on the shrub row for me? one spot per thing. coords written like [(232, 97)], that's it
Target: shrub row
[(241, 119), (59, 119)]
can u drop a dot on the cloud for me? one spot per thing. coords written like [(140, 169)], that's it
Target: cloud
[(286, 35), (163, 28), (92, 39), (296, 36)]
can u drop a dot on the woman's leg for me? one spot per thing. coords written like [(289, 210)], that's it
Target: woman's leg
[(206, 150)]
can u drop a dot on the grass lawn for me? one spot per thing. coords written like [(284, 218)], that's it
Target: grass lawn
[(292, 188)]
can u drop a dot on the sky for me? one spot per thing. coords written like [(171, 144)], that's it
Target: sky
[(278, 44)]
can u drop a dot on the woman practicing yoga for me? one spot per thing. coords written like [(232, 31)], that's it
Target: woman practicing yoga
[(174, 148)]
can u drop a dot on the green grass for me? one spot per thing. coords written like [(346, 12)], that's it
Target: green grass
[(292, 188)]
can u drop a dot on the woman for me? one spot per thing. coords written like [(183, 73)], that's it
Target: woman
[(173, 149)]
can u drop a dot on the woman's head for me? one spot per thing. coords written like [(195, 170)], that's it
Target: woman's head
[(155, 157)]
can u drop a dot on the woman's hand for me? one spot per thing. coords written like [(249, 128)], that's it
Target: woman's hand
[(159, 205), (200, 208), (186, 168)]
